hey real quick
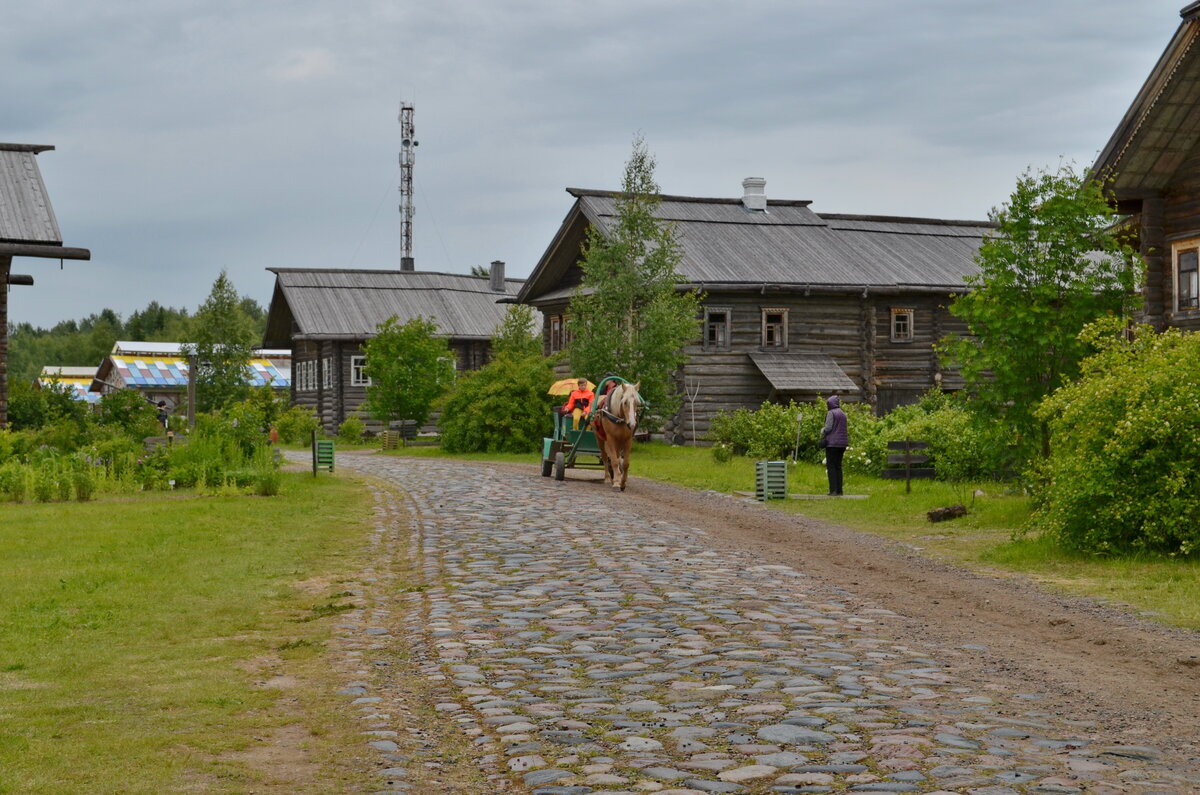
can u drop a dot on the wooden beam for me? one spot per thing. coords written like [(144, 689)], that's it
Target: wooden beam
[(11, 250), (22, 279), (5, 269)]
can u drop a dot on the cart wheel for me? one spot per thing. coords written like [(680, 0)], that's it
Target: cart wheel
[(547, 466), (560, 466)]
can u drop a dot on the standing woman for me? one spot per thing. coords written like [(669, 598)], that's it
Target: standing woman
[(836, 439)]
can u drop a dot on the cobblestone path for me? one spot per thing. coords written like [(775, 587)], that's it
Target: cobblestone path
[(588, 649)]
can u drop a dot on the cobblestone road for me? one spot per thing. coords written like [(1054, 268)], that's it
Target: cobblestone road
[(585, 648)]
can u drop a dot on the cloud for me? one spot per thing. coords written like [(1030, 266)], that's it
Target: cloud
[(306, 64)]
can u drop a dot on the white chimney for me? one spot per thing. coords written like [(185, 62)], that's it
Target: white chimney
[(755, 197), (496, 276)]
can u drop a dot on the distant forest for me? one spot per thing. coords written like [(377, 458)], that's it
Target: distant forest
[(86, 342)]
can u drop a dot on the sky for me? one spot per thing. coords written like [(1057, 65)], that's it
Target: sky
[(201, 135)]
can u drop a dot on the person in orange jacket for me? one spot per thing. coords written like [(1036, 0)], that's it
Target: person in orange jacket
[(579, 404)]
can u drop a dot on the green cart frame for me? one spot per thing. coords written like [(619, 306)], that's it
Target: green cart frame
[(562, 451)]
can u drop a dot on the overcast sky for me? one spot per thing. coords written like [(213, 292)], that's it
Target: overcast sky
[(198, 135)]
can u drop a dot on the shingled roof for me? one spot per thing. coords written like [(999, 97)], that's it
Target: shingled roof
[(316, 304), (788, 245)]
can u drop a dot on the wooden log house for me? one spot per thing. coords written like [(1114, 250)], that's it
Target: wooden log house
[(795, 304), (326, 316), (1153, 162)]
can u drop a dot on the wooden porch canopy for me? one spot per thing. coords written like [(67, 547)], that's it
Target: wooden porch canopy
[(803, 372), (28, 228)]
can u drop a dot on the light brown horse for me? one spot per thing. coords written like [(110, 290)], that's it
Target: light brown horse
[(616, 423)]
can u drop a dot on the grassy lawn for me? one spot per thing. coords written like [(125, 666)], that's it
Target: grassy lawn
[(132, 632), (984, 539)]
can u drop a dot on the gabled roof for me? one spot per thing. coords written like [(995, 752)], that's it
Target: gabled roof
[(314, 303), (171, 372), (1162, 126), (725, 244), (27, 223)]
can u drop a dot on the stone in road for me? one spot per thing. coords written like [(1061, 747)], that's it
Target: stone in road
[(589, 648)]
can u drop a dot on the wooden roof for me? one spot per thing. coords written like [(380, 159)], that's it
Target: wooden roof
[(350, 304), (1162, 126), (803, 372), (788, 245), (27, 224)]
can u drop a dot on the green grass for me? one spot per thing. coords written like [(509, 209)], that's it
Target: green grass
[(986, 539), (129, 630)]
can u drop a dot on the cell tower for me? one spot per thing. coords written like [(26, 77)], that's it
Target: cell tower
[(408, 145)]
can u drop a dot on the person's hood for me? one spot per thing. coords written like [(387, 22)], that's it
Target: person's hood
[(834, 402)]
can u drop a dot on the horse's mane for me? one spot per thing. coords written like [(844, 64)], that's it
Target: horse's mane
[(623, 402)]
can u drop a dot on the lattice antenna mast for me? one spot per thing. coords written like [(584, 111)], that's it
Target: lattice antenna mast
[(408, 145)]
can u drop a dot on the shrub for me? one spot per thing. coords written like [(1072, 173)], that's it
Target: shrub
[(502, 408), (1125, 448), (84, 479), (296, 425), (722, 453), (127, 412), (963, 444), (771, 433), (14, 481), (44, 485), (267, 482), (351, 430)]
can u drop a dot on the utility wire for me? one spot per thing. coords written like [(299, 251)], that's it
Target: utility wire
[(392, 181)]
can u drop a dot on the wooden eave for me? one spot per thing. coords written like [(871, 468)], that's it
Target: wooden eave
[(1162, 125), (45, 252), (554, 262)]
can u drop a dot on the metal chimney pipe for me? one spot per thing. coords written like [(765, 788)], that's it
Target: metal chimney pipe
[(496, 276)]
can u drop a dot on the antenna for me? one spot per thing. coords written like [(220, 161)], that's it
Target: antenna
[(408, 145)]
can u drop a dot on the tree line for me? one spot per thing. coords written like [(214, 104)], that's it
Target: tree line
[(85, 342)]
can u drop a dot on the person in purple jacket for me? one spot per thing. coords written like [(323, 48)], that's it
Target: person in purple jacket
[(837, 439)]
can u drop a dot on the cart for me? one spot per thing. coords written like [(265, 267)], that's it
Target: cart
[(562, 451)]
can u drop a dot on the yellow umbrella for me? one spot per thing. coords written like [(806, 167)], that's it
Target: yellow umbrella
[(566, 386)]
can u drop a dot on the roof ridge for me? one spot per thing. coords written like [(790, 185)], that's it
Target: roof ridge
[(905, 219), (668, 197)]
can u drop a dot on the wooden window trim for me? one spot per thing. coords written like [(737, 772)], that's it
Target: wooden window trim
[(1178, 251), (357, 377), (909, 316), (727, 343), (782, 344)]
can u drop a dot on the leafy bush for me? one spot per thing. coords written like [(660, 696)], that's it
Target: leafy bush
[(771, 433), (84, 480), (14, 481), (963, 443), (351, 430), (296, 425), (126, 411), (44, 483), (501, 408), (1125, 448)]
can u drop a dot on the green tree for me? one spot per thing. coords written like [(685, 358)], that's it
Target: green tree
[(504, 407), (409, 367), (1053, 265), (516, 335), (222, 343), (629, 316)]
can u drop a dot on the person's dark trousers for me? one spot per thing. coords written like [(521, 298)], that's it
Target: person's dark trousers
[(833, 468)]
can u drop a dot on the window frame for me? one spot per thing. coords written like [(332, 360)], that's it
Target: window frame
[(557, 332), (727, 342), (327, 372), (1178, 251), (358, 377), (782, 343), (910, 316)]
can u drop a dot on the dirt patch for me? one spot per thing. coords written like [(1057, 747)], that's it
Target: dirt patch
[(281, 758)]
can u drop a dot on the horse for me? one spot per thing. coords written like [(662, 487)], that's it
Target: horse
[(615, 423)]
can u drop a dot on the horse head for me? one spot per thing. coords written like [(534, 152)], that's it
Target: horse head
[(624, 404)]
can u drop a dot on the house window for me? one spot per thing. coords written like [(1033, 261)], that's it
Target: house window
[(358, 374), (774, 328), (327, 373), (902, 325), (716, 327), (1187, 292), (557, 335)]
